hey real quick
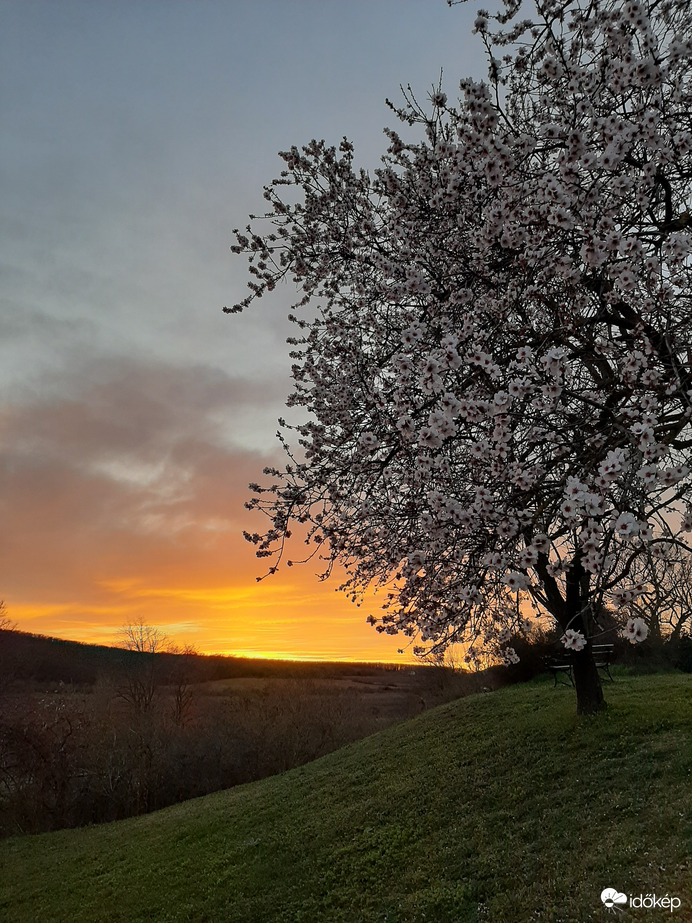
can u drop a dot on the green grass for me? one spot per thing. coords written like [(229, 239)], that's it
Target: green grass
[(499, 807)]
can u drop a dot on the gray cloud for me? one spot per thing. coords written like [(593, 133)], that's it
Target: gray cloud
[(119, 464), (112, 404)]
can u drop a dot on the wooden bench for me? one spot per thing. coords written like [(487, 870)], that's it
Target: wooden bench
[(561, 664)]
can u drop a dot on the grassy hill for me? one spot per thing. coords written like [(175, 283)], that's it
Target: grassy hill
[(498, 807)]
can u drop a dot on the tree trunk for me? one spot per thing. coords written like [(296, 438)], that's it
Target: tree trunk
[(587, 681)]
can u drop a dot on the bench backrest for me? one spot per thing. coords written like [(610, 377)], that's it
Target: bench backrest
[(600, 652)]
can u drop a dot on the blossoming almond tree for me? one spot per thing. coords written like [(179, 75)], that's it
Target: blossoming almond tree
[(493, 349)]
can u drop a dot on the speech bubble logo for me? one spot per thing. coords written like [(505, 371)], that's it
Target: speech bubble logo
[(613, 898)]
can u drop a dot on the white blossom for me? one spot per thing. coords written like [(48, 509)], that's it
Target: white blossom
[(516, 580), (626, 525), (573, 640), (635, 630), (369, 440)]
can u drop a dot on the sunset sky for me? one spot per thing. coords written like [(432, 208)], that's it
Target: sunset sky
[(133, 412)]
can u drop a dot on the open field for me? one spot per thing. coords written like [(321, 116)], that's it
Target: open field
[(138, 732), (500, 807)]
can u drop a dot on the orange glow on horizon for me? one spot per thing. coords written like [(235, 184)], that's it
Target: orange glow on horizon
[(92, 557), (286, 617)]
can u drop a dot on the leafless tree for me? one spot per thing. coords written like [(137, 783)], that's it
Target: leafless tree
[(146, 639), (666, 600), (143, 674), (182, 675), (6, 623)]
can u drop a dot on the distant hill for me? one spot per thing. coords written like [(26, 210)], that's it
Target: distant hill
[(45, 660), (504, 808)]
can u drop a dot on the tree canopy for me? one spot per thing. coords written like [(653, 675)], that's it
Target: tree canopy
[(494, 329)]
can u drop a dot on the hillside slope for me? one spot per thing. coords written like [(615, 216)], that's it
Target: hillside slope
[(500, 807)]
